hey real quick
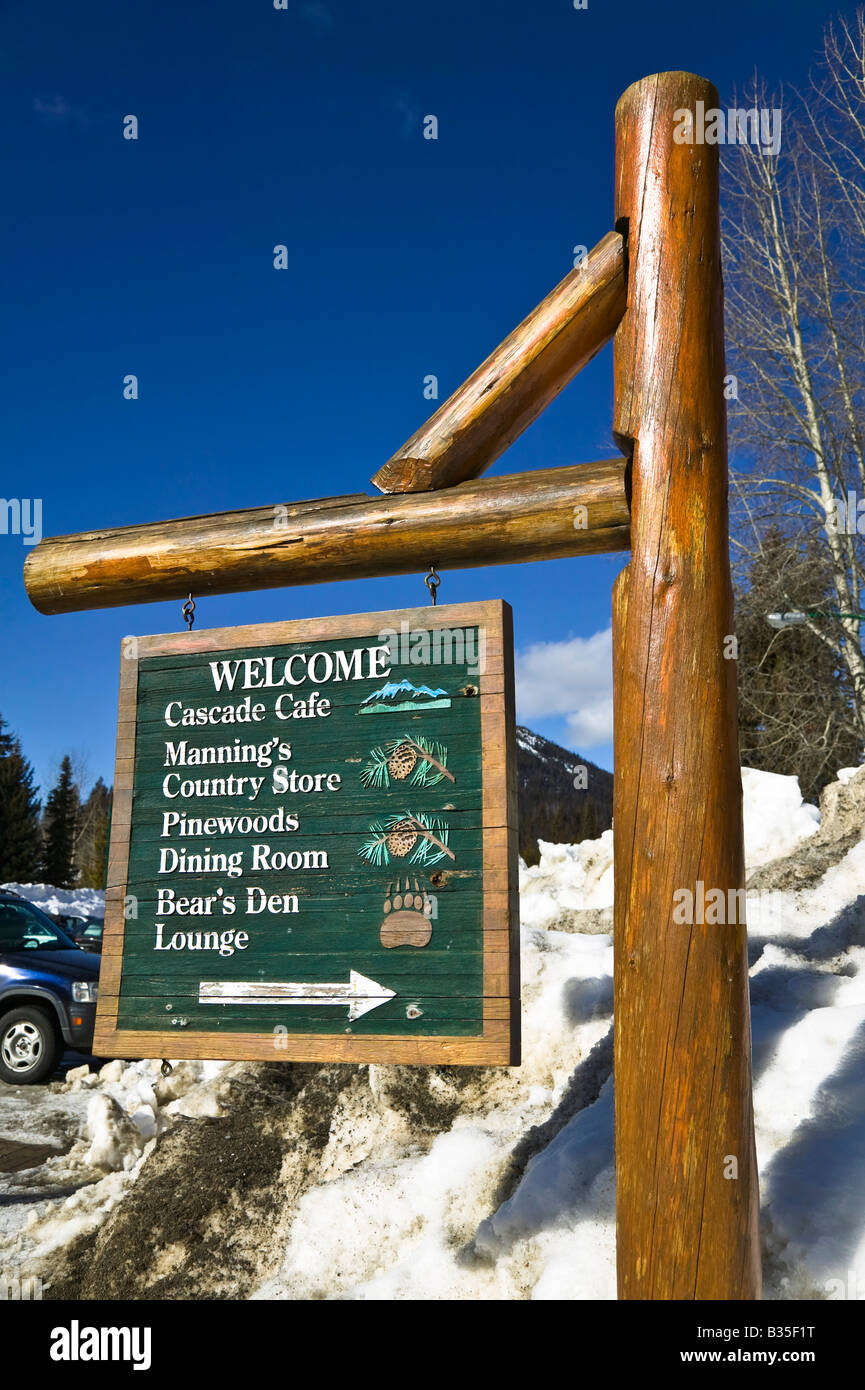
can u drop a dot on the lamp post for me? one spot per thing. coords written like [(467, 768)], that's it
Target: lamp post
[(799, 617)]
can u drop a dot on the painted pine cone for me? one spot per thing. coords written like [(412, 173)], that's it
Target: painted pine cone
[(402, 838), (401, 762)]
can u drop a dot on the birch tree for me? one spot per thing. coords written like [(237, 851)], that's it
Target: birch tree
[(794, 262)]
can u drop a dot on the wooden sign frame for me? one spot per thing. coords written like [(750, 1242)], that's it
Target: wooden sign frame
[(498, 1043)]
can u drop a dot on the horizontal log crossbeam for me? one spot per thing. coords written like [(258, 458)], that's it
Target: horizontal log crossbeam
[(541, 515)]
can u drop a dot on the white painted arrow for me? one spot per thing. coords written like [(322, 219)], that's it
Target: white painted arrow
[(360, 994)]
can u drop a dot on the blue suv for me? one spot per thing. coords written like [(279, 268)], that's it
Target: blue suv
[(48, 991)]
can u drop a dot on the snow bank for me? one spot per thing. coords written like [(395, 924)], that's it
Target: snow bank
[(498, 1184), (410, 1224), (437, 1225), (578, 877), (571, 881), (775, 814), (80, 902)]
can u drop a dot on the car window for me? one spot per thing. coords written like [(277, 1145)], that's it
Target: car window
[(93, 931), (25, 928)]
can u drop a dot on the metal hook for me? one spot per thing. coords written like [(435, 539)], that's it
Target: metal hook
[(432, 582), (166, 1067), (189, 612)]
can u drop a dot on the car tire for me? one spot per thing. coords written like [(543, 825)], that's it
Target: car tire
[(30, 1046)]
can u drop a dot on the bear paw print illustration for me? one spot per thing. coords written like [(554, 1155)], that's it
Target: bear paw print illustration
[(407, 916)]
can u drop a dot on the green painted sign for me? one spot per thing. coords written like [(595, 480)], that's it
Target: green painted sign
[(304, 846)]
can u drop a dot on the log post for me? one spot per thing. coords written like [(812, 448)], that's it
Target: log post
[(687, 1197)]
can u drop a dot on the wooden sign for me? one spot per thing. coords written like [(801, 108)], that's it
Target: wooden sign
[(314, 843)]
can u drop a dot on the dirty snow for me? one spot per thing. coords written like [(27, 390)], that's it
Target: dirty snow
[(514, 1198), (102, 1126)]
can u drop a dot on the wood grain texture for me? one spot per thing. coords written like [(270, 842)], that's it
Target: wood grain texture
[(497, 521), (473, 1014), (517, 381), (682, 1039)]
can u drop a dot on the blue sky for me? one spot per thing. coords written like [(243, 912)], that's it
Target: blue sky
[(408, 257)]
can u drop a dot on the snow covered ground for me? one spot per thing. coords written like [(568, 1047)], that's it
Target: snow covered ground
[(491, 1184), (82, 902)]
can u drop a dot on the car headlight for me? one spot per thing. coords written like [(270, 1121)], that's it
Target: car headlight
[(85, 992)]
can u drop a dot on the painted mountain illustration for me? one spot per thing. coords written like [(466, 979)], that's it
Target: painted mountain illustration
[(400, 695)]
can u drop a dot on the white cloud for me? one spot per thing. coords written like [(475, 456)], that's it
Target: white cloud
[(592, 725), (573, 678)]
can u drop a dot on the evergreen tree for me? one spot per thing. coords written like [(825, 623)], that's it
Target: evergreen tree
[(590, 829), (91, 847), (19, 814), (59, 828)]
